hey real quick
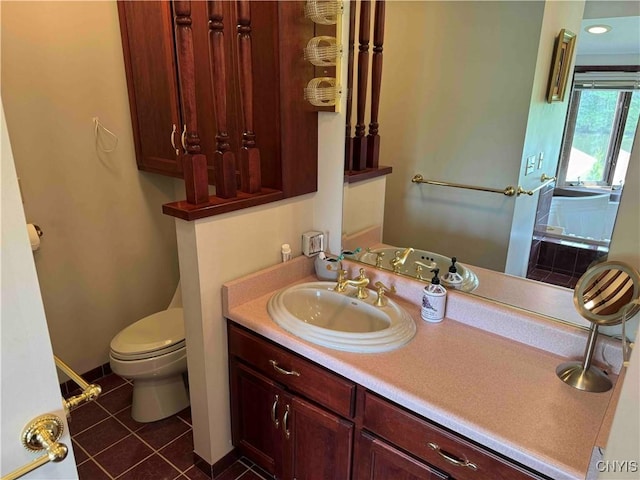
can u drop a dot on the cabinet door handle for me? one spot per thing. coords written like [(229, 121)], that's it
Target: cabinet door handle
[(285, 423), (451, 459), (274, 414), (173, 143), (183, 138), (278, 369)]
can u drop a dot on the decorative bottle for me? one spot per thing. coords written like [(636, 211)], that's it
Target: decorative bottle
[(434, 300)]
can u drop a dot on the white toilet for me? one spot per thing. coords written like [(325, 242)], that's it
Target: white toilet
[(152, 353)]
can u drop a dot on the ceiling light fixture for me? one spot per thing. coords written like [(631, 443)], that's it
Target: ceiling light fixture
[(598, 29)]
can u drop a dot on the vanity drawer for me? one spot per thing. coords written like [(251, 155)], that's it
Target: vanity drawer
[(461, 459), (292, 371)]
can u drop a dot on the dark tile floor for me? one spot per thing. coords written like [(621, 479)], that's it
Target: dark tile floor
[(553, 278), (108, 444)]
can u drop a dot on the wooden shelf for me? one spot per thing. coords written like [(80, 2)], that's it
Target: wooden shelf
[(354, 176), (216, 205)]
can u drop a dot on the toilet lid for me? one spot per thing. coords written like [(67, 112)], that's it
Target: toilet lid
[(161, 332)]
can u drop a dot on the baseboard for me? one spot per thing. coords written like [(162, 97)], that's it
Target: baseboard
[(213, 471)]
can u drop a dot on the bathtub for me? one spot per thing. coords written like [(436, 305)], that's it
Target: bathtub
[(582, 214)]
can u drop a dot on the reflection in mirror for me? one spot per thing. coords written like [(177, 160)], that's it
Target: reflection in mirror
[(419, 264), (607, 294), (472, 110)]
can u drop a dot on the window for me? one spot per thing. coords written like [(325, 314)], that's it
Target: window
[(600, 127)]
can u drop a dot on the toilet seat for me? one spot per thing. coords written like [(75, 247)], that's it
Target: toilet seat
[(155, 335)]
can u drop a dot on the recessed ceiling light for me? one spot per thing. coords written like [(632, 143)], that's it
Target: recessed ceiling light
[(598, 29)]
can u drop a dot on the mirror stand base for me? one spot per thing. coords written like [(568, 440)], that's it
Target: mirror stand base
[(590, 379)]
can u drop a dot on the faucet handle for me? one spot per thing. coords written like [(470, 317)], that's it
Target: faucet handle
[(381, 301), (419, 267), (341, 286), (361, 274), (378, 255)]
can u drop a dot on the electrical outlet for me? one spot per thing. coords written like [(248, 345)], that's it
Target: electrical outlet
[(530, 165), (312, 243)]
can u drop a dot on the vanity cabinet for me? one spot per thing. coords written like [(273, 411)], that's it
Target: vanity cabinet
[(300, 421), (288, 415)]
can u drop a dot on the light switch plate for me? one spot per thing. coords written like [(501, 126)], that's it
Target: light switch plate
[(530, 165)]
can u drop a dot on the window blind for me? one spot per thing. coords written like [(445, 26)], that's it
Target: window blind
[(606, 80)]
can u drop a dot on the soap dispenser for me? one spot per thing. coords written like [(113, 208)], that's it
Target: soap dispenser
[(452, 278), (434, 300)]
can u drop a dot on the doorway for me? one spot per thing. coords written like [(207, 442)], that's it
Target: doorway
[(575, 219)]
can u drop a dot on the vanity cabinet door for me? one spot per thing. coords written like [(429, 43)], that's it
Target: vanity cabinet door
[(257, 408), (152, 78), (317, 444), (376, 460)]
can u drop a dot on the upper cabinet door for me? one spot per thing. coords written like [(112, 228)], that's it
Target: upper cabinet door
[(148, 44)]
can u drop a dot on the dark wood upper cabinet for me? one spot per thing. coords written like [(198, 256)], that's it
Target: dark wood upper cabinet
[(152, 77), (170, 52)]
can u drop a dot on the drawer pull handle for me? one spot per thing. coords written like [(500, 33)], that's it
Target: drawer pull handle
[(285, 423), (274, 414), (278, 369), (451, 459)]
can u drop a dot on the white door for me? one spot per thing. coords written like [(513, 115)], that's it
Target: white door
[(29, 383)]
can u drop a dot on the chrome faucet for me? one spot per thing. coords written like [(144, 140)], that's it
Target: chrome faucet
[(399, 259), (361, 282)]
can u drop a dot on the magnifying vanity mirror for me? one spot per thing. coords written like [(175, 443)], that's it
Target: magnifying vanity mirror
[(607, 294)]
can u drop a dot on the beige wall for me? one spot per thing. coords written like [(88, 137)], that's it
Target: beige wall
[(108, 255), (455, 95)]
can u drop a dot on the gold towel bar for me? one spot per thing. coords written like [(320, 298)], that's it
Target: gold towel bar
[(509, 191), (547, 181), (89, 391)]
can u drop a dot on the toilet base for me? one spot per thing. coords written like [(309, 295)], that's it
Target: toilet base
[(155, 399)]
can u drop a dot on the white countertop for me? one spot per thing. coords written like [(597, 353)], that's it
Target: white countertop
[(496, 391)]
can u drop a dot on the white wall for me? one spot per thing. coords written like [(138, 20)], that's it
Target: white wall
[(108, 255), (545, 126)]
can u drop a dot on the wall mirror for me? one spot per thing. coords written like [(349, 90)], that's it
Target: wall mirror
[(472, 110)]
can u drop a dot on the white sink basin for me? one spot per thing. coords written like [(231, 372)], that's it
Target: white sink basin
[(315, 312)]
